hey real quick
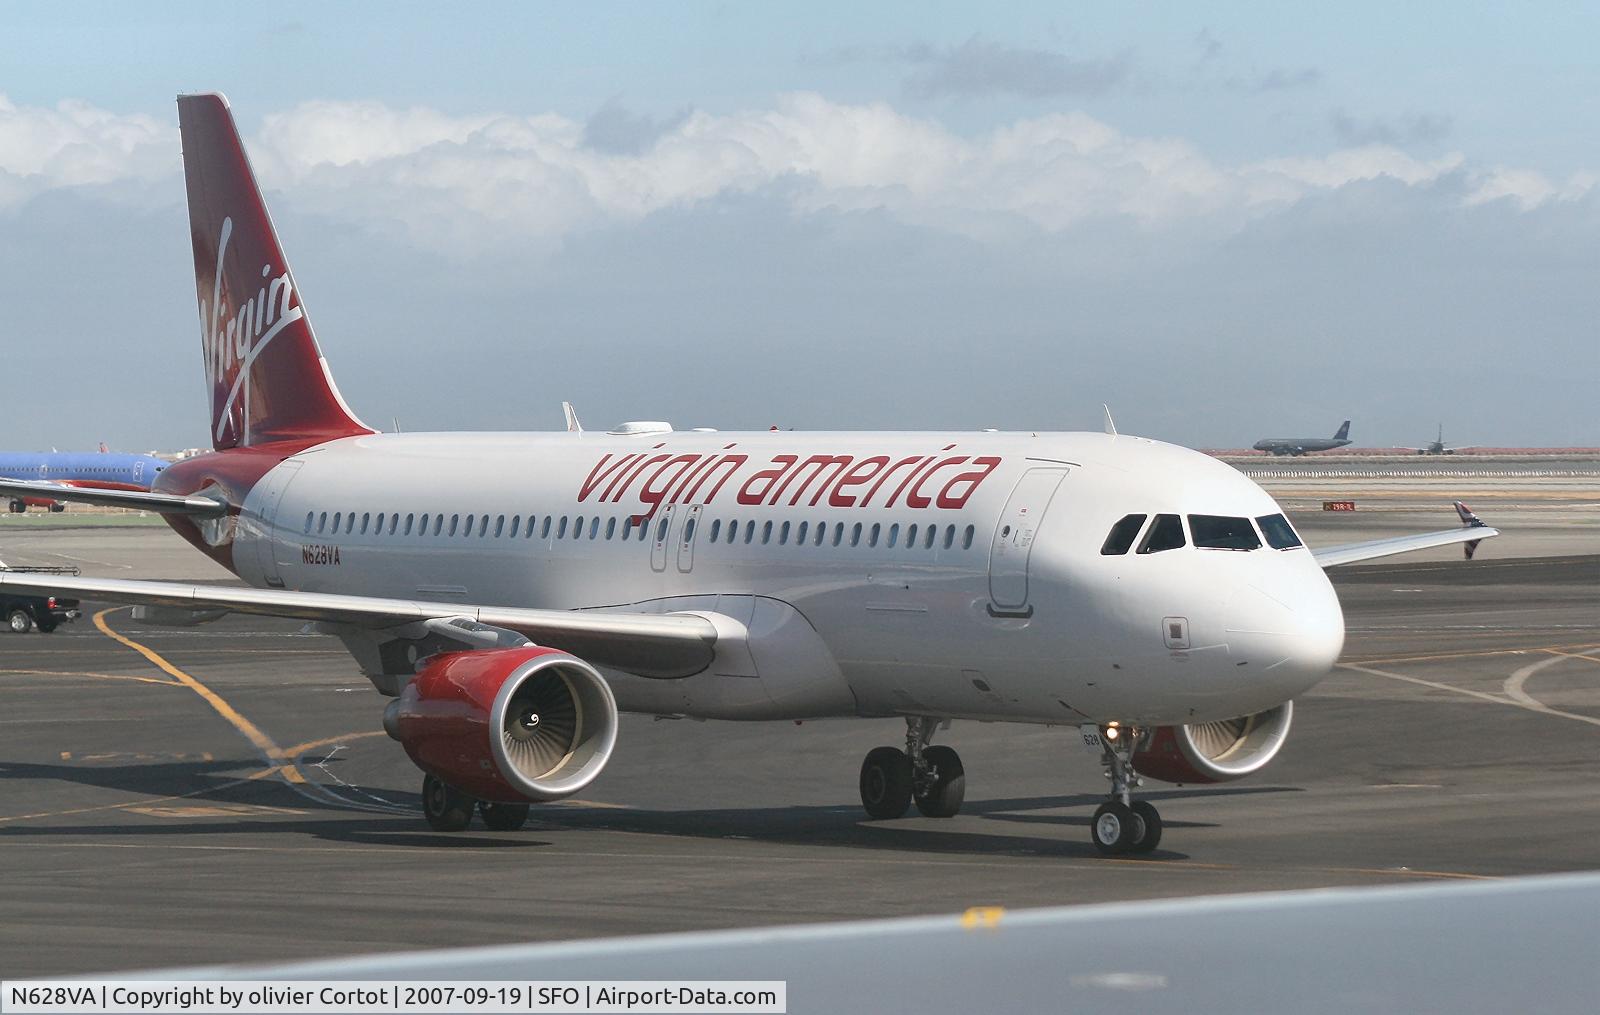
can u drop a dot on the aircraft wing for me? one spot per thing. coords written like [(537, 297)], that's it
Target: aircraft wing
[(652, 645), (165, 503), (1350, 553)]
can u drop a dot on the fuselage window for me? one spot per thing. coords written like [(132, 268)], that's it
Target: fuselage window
[(949, 536), (338, 516), (423, 531), (577, 528), (499, 526), (1280, 535), (688, 531), (911, 537), (611, 527), (872, 537), (894, 534), (927, 539), (766, 534), (822, 533), (800, 534), (322, 522), (644, 530), (516, 524), (733, 530), (1166, 533), (855, 534), (544, 532), (377, 528), (1218, 532), (466, 530), (310, 517), (661, 531), (594, 526), (455, 523), (966, 538), (716, 529), (783, 534), (838, 533), (438, 523), (627, 528), (483, 526), (394, 522), (749, 531), (1122, 535), (561, 530), (410, 522), (349, 523)]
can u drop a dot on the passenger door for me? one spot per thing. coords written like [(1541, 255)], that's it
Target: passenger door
[(1013, 540)]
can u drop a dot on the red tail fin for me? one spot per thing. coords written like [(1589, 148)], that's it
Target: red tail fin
[(267, 378)]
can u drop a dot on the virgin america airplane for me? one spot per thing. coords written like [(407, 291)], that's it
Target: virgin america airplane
[(1149, 596)]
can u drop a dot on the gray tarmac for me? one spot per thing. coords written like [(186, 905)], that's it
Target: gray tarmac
[(148, 816)]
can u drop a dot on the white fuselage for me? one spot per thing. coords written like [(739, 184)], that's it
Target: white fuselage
[(948, 574)]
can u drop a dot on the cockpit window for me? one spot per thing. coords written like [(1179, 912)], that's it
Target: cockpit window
[(1122, 535), (1166, 533), (1280, 536), (1215, 532)]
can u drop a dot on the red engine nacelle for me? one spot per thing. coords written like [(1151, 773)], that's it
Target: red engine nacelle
[(516, 725), (1215, 751)]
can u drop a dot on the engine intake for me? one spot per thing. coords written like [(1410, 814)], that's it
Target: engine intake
[(1218, 751), (519, 725)]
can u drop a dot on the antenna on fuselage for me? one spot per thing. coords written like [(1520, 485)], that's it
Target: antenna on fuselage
[(1110, 426), (573, 426)]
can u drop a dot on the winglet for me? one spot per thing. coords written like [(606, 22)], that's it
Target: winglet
[(1471, 521), (573, 426), (1110, 426)]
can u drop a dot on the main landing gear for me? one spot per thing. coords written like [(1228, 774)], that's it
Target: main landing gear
[(1122, 824), (932, 777), (450, 810)]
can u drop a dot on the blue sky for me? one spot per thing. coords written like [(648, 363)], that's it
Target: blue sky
[(1381, 211)]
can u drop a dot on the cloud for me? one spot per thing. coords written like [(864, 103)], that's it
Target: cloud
[(614, 130), (483, 182), (1280, 80), (778, 264), (1412, 128), (74, 144), (981, 67)]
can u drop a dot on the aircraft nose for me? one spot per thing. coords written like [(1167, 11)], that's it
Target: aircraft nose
[(1289, 629)]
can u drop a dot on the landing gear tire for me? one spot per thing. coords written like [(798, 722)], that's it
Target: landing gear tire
[(17, 507), (504, 817), (943, 794), (1150, 827), (446, 808), (18, 622), (886, 783), (57, 508), (1115, 827), (46, 626)]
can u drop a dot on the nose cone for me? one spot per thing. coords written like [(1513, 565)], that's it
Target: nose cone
[(1287, 628)]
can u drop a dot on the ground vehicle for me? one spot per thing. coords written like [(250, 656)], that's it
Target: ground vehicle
[(22, 613)]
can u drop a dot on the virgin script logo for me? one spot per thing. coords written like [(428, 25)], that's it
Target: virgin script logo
[(232, 339)]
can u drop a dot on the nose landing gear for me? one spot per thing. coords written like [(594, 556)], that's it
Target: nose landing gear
[(1122, 824), (932, 777)]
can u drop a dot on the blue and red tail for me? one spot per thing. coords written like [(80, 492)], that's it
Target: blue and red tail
[(265, 373)]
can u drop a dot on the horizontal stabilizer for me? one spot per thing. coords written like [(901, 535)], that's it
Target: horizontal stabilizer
[(138, 500)]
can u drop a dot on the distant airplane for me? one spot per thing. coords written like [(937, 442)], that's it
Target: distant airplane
[(100, 470), (1439, 447), (1300, 445)]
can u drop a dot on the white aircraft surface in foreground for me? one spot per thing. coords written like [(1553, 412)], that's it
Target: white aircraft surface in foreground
[(513, 591)]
